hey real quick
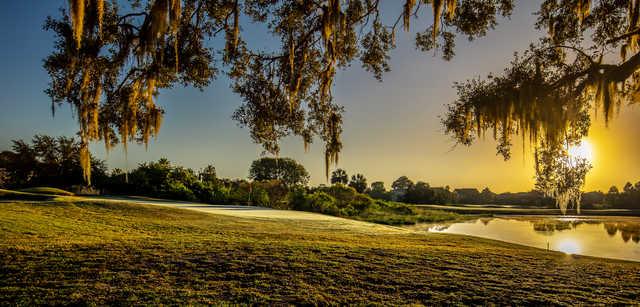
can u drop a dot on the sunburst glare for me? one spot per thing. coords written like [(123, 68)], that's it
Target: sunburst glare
[(584, 150)]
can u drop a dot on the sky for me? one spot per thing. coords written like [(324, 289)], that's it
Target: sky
[(391, 128)]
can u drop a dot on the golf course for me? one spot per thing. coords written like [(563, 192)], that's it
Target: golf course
[(73, 250)]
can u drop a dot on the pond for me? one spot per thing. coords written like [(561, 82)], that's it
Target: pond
[(609, 237)]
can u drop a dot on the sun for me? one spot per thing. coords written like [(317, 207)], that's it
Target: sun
[(584, 150)]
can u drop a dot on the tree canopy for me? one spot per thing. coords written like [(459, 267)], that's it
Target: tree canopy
[(46, 161), (587, 63), (339, 176), (358, 182), (286, 170), (111, 58)]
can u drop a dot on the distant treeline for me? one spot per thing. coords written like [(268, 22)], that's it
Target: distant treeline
[(273, 182)]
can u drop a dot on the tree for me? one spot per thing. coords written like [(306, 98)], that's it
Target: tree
[(358, 182), (287, 170), (486, 196), (339, 176), (546, 94), (378, 190), (4, 178), (628, 188), (420, 193), (47, 161), (613, 190), (400, 187), (208, 175), (110, 59)]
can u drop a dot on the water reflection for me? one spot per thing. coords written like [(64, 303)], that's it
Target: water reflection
[(568, 247), (611, 237), (628, 230)]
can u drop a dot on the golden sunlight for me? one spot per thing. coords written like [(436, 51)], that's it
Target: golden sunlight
[(583, 150), (568, 247)]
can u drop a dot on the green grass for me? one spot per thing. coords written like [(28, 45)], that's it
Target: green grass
[(89, 253), (47, 190), (16, 195), (412, 217)]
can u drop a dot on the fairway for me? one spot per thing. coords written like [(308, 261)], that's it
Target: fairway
[(119, 253)]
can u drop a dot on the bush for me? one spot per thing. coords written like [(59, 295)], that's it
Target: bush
[(260, 197), (298, 199), (323, 203), (276, 191), (361, 202), (343, 194), (177, 190)]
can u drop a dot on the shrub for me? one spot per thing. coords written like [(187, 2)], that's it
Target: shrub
[(361, 202), (299, 200), (323, 203), (344, 195), (276, 191), (260, 197), (177, 190)]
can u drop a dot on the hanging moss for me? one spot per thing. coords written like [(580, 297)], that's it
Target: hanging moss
[(77, 8)]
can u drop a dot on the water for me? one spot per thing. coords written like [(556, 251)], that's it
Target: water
[(609, 237)]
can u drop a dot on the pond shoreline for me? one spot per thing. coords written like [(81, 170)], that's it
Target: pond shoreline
[(495, 210), (612, 237)]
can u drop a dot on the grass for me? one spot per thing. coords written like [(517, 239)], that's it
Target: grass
[(17, 195), (406, 215), (47, 190), (115, 253)]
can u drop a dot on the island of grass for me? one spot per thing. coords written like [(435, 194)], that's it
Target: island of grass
[(119, 253)]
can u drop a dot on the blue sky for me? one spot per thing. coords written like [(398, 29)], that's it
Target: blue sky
[(391, 128)]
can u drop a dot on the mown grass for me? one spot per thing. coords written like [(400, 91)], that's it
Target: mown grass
[(16, 195), (47, 190), (92, 253)]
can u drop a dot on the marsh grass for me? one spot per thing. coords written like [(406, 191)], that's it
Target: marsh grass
[(117, 253), (414, 216)]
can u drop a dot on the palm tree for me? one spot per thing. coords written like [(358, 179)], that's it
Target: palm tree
[(339, 176)]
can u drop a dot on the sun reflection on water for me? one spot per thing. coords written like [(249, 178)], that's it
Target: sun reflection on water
[(568, 246)]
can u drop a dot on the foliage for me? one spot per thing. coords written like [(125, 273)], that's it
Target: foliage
[(561, 176), (323, 203), (359, 183), (378, 191), (419, 193), (400, 187), (546, 95), (110, 59), (339, 176), (208, 174), (46, 161), (629, 198), (286, 170)]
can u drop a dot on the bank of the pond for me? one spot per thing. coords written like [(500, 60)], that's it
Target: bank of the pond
[(500, 210), (616, 237)]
